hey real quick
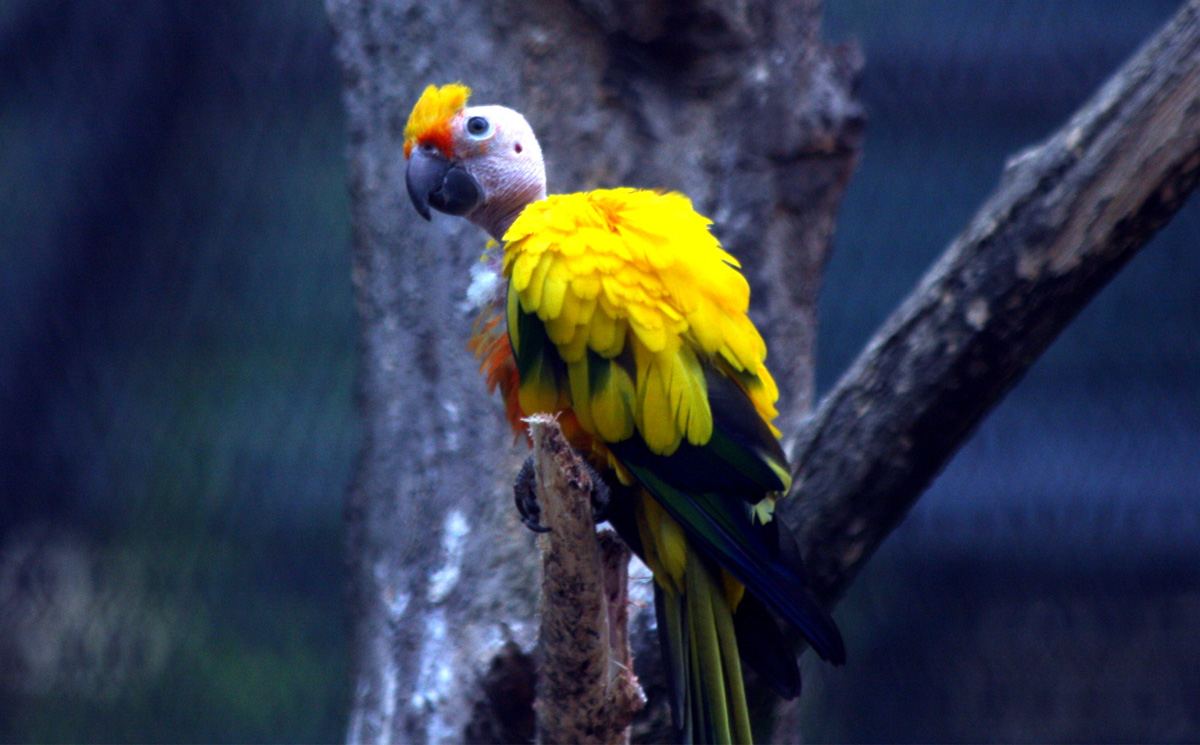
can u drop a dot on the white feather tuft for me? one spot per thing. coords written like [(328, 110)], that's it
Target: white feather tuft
[(487, 286)]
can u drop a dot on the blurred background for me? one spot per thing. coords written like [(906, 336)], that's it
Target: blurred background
[(177, 365)]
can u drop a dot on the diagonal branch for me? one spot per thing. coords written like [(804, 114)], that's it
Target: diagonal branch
[(1065, 218)]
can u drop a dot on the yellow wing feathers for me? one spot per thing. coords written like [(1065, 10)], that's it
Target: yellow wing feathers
[(636, 294)]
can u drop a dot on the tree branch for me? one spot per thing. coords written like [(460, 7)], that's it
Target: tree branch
[(586, 692), (1065, 219)]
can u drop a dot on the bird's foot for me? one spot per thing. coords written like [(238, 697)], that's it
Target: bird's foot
[(525, 495), (601, 495)]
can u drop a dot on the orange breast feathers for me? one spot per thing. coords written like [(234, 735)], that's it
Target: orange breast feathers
[(489, 341)]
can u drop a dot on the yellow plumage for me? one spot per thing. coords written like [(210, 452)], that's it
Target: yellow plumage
[(633, 271)]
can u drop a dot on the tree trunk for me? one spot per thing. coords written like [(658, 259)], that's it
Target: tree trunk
[(738, 105)]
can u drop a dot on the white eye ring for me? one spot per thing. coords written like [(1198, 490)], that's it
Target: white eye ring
[(480, 128)]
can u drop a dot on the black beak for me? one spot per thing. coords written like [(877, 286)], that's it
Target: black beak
[(433, 181)]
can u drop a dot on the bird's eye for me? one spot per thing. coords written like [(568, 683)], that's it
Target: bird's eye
[(479, 127)]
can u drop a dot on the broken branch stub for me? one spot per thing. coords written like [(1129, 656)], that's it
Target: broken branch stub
[(586, 691)]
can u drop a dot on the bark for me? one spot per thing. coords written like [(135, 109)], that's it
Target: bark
[(586, 691), (442, 576), (738, 105)]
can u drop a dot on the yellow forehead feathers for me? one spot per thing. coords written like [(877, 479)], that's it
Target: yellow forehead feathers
[(430, 118)]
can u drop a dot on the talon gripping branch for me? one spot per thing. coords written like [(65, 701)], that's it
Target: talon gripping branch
[(620, 310)]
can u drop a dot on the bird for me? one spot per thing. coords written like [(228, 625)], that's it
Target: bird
[(619, 311)]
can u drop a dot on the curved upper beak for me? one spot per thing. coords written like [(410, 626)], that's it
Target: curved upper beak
[(433, 181)]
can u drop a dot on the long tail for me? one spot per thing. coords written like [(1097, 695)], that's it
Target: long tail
[(697, 632), (695, 601)]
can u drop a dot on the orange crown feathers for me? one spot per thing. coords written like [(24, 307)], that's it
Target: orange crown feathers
[(430, 118)]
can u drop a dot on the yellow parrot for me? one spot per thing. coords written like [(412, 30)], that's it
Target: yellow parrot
[(619, 310)]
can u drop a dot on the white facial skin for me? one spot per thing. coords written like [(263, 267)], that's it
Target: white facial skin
[(504, 158)]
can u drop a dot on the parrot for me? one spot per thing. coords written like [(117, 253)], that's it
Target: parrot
[(619, 311)]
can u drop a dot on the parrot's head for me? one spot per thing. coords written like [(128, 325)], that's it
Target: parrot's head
[(480, 162)]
